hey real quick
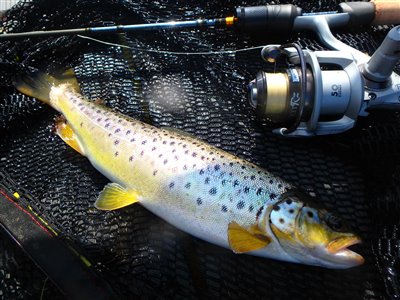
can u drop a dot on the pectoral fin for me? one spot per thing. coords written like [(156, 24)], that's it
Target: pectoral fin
[(67, 134), (242, 240), (115, 196)]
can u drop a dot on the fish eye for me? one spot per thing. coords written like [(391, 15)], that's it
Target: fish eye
[(333, 222)]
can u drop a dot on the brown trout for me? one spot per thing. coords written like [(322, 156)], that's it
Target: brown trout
[(194, 186)]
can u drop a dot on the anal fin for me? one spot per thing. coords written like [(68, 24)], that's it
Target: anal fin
[(242, 240), (67, 134), (115, 196)]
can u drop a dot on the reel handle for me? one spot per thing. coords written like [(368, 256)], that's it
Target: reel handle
[(379, 68)]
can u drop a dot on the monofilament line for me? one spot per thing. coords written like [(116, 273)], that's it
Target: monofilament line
[(172, 52)]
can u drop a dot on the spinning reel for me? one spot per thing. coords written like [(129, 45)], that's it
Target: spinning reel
[(323, 92)]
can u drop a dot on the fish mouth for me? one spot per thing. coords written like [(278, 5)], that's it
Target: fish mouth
[(339, 248)]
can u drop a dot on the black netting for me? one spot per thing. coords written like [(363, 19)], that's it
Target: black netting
[(355, 174)]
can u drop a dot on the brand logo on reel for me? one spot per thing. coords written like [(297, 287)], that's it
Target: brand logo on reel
[(294, 102), (336, 90)]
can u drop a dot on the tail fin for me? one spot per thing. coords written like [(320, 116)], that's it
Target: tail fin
[(38, 84)]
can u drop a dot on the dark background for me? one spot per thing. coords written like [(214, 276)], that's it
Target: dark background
[(355, 174)]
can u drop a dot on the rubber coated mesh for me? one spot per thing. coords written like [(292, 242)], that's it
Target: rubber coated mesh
[(355, 174)]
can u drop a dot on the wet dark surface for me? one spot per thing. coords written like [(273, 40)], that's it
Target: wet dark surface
[(354, 174)]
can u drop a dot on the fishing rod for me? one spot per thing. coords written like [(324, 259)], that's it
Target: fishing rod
[(284, 17)]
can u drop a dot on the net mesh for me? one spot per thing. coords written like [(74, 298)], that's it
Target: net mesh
[(354, 174)]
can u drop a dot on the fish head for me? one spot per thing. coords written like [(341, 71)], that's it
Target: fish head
[(312, 235)]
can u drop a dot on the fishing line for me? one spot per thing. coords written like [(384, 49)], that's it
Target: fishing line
[(172, 52)]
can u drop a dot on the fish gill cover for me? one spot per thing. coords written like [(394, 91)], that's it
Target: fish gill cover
[(355, 174)]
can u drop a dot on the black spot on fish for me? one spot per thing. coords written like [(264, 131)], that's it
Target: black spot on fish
[(259, 211), (251, 208), (160, 155), (272, 196), (259, 191), (128, 132), (223, 182), (172, 143), (281, 220), (289, 201), (132, 140), (194, 154), (187, 185), (310, 214), (224, 208), (116, 153), (271, 181), (81, 124), (117, 130), (199, 201), (279, 186), (155, 173), (171, 185), (164, 142), (245, 177), (107, 119), (120, 120), (187, 151), (207, 180), (201, 172), (243, 167), (230, 174), (142, 153), (184, 146), (131, 158), (165, 161), (154, 148), (235, 183), (246, 190), (110, 134), (221, 156), (276, 207), (211, 153), (217, 167), (202, 148), (252, 177), (154, 140), (202, 158), (176, 157), (213, 191), (240, 204), (291, 211), (116, 142), (98, 119), (185, 167), (231, 164), (173, 150), (144, 142)]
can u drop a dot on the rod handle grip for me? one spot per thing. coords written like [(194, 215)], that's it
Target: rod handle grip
[(386, 12)]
